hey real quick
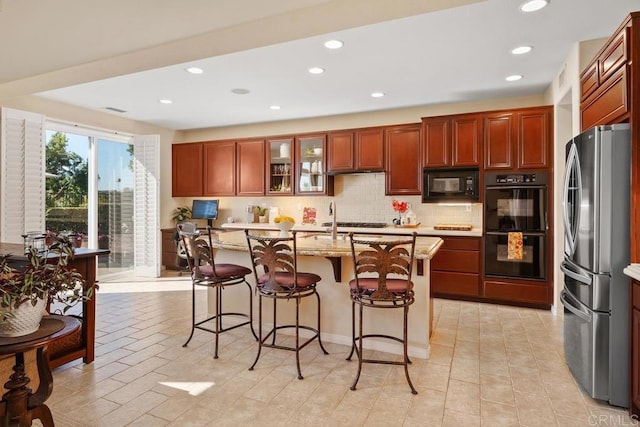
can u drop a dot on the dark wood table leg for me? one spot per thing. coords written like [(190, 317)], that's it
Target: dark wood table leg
[(17, 395)]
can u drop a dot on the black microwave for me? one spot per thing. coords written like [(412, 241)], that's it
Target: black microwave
[(450, 185)]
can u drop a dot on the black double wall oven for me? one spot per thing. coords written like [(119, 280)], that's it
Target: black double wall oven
[(516, 225)]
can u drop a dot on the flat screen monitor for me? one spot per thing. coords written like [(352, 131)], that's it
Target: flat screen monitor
[(205, 209)]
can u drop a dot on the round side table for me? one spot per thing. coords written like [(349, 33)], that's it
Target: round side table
[(19, 405)]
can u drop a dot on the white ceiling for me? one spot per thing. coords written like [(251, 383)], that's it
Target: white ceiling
[(451, 55)]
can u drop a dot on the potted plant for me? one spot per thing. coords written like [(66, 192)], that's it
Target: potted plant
[(26, 290), (181, 213), (262, 213)]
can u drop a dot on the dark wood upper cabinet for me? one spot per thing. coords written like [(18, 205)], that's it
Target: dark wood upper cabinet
[(452, 141), (534, 138), (466, 140), (219, 168), (356, 150), (250, 173), (341, 152), (518, 139), (186, 170), (402, 157), (604, 84), (369, 152), (499, 134), (437, 141)]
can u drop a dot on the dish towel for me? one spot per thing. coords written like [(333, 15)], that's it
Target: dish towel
[(515, 245)]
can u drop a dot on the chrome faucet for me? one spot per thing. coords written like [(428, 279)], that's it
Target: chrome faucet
[(334, 223)]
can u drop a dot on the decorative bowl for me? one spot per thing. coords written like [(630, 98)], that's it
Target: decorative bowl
[(284, 227)]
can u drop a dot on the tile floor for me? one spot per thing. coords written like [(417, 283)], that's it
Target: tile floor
[(490, 366)]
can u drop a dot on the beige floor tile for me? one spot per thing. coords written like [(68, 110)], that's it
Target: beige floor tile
[(442, 336), (496, 389), (433, 376), (467, 370), (441, 354), (498, 415), (132, 409), (426, 408), (463, 397), (567, 400), (534, 411), (467, 350), (457, 419), (527, 380)]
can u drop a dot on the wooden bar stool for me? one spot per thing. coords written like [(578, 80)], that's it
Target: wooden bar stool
[(275, 267), (382, 269), (205, 272)]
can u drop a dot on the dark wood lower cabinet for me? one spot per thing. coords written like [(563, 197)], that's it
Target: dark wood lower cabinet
[(455, 269), (526, 292), (456, 273), (634, 407), (169, 255)]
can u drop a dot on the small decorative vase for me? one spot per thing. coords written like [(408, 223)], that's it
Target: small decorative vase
[(284, 227), (262, 219), (24, 320)]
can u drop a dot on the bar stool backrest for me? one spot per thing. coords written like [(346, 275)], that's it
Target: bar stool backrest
[(272, 255), (383, 258), (199, 251)]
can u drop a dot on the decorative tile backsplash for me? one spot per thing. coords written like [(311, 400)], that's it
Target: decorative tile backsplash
[(358, 197)]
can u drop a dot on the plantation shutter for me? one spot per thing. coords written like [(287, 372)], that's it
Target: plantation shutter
[(22, 174), (146, 149)]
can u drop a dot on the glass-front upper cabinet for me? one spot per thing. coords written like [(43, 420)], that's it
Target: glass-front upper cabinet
[(280, 166), (310, 166)]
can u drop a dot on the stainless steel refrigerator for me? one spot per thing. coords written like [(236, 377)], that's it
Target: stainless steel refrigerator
[(596, 215)]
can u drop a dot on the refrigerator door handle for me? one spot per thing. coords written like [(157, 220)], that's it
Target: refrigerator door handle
[(573, 168), (565, 298), (575, 275)]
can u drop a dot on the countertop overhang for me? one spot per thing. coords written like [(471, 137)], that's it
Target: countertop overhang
[(426, 246), (633, 271), (421, 231)]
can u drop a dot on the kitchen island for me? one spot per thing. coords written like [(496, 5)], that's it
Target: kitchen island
[(318, 253)]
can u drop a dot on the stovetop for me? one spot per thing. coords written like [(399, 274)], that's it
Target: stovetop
[(358, 224)]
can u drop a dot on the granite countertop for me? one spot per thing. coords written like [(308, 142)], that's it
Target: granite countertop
[(314, 244), (422, 231), (633, 271)]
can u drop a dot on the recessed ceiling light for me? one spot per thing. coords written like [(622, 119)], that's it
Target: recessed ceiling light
[(240, 91), (513, 78), (520, 50), (166, 101), (194, 70), (377, 94), (333, 44), (316, 70), (533, 5), (274, 107)]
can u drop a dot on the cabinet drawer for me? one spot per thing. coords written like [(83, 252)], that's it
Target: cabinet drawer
[(517, 292), (636, 294), (448, 283), (459, 261), (453, 243), (608, 103)]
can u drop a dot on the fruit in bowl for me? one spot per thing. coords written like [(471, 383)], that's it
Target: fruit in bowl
[(284, 224)]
